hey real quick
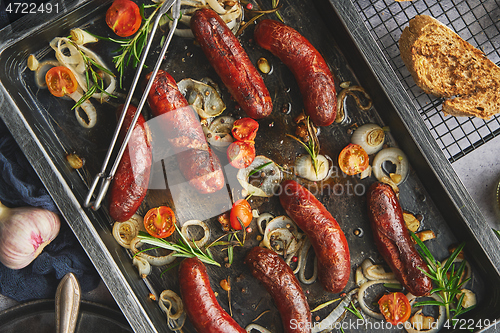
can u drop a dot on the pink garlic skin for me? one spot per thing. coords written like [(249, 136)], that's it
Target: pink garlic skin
[(24, 233)]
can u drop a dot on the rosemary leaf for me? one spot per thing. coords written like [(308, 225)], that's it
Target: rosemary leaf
[(355, 311), (453, 256), (324, 305), (257, 169), (230, 254), (430, 302)]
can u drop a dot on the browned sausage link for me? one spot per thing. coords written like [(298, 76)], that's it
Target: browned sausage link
[(231, 62), (199, 300), (327, 239), (393, 240), (183, 130), (279, 281), (130, 183), (311, 72)]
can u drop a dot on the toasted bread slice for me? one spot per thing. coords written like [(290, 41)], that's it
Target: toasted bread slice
[(445, 65)]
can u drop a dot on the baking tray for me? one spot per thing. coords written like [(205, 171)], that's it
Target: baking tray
[(46, 132)]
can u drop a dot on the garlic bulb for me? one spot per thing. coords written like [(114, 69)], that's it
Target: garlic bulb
[(370, 137), (24, 232)]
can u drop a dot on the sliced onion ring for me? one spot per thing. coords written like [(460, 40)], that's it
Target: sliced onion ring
[(201, 242), (231, 16), (218, 133), (203, 97), (171, 304), (124, 232), (142, 265), (153, 260), (375, 272), (302, 262), (440, 320), (397, 157), (341, 114), (270, 183), (86, 107), (281, 229), (74, 62), (266, 217), (256, 327), (361, 297)]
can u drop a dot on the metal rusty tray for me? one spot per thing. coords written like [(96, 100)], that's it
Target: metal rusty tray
[(46, 131)]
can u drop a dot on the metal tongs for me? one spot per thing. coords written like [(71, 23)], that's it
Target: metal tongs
[(108, 177)]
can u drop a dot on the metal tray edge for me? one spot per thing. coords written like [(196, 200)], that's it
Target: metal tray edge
[(76, 217)]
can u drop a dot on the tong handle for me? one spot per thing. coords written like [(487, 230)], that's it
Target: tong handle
[(107, 178)]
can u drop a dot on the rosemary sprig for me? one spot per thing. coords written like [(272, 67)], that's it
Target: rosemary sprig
[(312, 147), (182, 248), (93, 78), (258, 14), (355, 311), (130, 49), (275, 5), (448, 286)]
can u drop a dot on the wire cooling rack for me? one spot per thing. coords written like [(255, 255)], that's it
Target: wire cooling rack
[(478, 22)]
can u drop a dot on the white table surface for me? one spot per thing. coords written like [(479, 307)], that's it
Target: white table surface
[(479, 171)]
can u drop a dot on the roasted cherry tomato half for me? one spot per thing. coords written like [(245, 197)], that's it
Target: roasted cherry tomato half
[(353, 159), (395, 307), (160, 222), (241, 153), (245, 129), (124, 17), (241, 211), (60, 81)]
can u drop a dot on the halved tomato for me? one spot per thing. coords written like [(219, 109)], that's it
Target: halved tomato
[(240, 212), (160, 222), (395, 307), (353, 159), (245, 129), (124, 17), (60, 81), (241, 153)]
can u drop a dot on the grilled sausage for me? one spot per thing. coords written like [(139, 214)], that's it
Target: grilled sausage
[(231, 62), (311, 72), (327, 239), (199, 165), (130, 183), (278, 279), (199, 300), (393, 240)]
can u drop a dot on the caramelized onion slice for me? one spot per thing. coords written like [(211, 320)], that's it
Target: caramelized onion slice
[(265, 186), (171, 304), (202, 97)]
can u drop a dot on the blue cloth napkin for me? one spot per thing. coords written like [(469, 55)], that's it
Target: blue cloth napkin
[(20, 186)]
